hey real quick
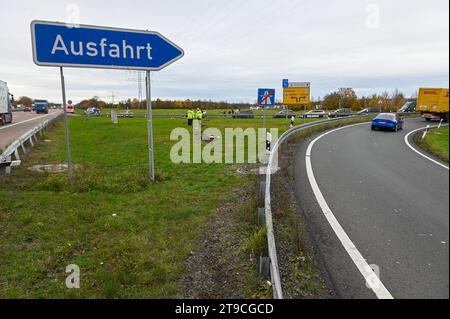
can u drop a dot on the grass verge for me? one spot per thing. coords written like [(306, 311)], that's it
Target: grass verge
[(436, 143), (130, 238)]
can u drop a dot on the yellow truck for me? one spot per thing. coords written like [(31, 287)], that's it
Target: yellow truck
[(432, 103)]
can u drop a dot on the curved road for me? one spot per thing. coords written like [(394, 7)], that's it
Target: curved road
[(392, 203), (22, 122)]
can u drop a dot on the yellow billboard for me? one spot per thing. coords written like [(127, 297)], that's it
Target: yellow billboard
[(433, 100), (297, 96)]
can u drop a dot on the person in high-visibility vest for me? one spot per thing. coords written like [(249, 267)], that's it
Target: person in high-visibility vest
[(199, 115), (190, 116)]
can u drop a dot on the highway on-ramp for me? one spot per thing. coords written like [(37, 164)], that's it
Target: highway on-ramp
[(22, 122), (390, 202)]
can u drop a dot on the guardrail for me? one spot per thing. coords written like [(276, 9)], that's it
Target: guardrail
[(29, 137)]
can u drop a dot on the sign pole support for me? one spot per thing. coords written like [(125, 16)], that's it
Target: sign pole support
[(150, 127), (66, 125)]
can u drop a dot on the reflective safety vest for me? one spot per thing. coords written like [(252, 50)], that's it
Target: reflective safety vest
[(190, 115), (199, 115)]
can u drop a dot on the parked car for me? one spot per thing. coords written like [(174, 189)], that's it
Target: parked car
[(370, 110), (126, 114), (341, 113), (92, 111), (285, 114), (244, 114), (314, 114), (389, 121)]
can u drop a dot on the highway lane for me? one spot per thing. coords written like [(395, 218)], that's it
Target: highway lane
[(22, 122), (391, 202)]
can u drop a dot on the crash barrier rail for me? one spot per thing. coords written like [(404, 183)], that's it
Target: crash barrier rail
[(29, 137), (266, 212)]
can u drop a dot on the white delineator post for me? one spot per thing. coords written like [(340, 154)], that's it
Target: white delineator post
[(426, 132)]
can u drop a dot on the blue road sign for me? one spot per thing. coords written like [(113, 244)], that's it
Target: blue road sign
[(62, 45), (285, 84), (266, 97)]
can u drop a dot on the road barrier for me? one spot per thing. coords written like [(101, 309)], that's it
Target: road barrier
[(30, 137)]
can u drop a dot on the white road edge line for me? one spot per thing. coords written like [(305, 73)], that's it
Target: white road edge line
[(420, 153), (372, 280), (26, 121)]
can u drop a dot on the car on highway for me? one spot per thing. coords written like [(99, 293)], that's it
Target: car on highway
[(126, 114), (370, 110), (314, 114), (285, 114), (341, 113), (27, 109), (388, 121), (244, 114), (92, 111)]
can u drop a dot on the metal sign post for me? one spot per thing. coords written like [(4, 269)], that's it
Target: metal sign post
[(66, 126), (150, 127)]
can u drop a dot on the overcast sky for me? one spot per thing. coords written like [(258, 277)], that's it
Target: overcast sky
[(235, 46)]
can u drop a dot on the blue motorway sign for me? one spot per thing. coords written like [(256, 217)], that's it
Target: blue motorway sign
[(62, 45), (285, 84), (266, 97)]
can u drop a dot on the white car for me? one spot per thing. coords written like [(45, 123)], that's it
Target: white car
[(314, 114)]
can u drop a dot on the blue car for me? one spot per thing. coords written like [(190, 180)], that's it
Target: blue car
[(388, 121)]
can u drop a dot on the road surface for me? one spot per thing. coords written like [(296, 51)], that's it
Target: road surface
[(392, 203), (22, 122)]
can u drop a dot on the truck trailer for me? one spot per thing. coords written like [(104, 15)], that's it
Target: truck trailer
[(432, 103), (5, 104), (41, 106)]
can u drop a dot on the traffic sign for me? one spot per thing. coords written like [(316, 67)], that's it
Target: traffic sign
[(57, 44), (266, 97), (285, 83), (299, 85), (297, 96)]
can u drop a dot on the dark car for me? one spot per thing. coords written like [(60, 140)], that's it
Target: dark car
[(285, 114), (388, 121), (341, 113), (409, 107), (244, 114)]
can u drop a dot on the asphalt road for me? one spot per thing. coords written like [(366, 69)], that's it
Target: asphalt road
[(390, 201), (22, 122)]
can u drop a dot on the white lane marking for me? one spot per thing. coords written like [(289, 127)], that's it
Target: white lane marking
[(420, 153), (26, 121), (373, 282)]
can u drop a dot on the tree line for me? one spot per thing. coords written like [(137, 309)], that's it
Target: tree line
[(347, 98)]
